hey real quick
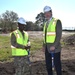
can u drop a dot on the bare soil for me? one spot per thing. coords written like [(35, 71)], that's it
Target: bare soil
[(38, 63)]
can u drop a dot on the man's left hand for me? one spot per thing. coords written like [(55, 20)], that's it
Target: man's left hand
[(52, 48)]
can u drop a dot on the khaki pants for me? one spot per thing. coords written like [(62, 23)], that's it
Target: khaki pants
[(21, 65)]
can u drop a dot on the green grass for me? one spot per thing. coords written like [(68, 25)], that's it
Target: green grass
[(5, 49), (36, 44), (63, 43)]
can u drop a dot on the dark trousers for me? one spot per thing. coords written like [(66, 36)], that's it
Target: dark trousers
[(57, 62)]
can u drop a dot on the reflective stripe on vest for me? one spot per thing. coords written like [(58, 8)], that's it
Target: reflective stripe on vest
[(22, 41), (51, 31)]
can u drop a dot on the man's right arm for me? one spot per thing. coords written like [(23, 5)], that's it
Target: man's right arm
[(14, 42)]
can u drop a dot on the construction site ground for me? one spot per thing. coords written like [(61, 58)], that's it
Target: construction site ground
[(38, 66)]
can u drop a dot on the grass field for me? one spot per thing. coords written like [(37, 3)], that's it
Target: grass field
[(5, 47), (5, 50), (37, 56)]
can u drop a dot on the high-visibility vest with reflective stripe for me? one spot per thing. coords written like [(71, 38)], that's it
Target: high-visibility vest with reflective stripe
[(51, 31), (22, 41)]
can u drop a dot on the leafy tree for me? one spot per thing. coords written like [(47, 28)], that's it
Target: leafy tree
[(29, 26), (40, 19), (8, 21)]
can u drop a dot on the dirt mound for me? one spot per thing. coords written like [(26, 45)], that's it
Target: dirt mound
[(70, 40), (68, 67), (6, 69), (38, 68)]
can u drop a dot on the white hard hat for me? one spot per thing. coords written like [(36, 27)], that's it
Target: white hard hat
[(47, 9), (22, 21)]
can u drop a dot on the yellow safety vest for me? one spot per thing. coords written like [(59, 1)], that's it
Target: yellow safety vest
[(22, 41), (51, 31)]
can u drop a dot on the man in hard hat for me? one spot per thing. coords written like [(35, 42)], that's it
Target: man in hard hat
[(52, 33), (19, 45)]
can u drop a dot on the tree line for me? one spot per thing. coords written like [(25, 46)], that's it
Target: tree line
[(8, 22)]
